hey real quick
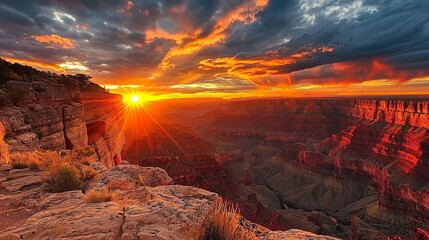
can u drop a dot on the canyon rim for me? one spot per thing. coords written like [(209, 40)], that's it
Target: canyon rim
[(214, 119)]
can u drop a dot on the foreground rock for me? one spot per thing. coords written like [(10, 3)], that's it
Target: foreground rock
[(128, 177), (20, 192), (164, 212)]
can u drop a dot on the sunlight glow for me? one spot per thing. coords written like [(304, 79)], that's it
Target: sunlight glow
[(135, 99)]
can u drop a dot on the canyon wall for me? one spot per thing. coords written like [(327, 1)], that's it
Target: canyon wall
[(54, 116), (385, 141)]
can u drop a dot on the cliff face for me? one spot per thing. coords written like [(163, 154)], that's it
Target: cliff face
[(52, 116), (384, 141)]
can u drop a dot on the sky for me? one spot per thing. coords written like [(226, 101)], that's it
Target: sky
[(226, 48)]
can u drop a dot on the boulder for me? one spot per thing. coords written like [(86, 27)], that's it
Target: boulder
[(127, 177)]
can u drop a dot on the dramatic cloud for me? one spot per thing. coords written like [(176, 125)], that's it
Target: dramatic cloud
[(54, 41), (232, 46)]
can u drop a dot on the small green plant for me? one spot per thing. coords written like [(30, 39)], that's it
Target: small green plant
[(67, 178), (97, 196)]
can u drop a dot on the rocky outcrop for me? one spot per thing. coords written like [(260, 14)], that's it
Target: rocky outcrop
[(103, 114), (51, 116), (20, 192), (128, 177), (165, 212)]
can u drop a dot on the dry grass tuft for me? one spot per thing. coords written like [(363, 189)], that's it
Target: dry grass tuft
[(64, 170), (66, 178), (25, 160), (97, 196), (226, 223)]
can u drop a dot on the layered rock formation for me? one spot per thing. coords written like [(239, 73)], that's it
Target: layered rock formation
[(384, 142), (60, 112)]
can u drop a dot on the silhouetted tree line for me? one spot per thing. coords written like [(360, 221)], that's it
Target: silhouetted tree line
[(18, 72)]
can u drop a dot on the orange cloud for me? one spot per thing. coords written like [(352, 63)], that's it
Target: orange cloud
[(245, 13), (246, 68), (271, 63), (151, 35), (55, 41)]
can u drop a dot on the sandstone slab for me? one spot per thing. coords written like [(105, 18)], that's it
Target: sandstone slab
[(164, 212), (127, 177)]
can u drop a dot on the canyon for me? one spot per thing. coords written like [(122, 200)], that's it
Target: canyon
[(351, 168), (347, 168), (361, 162)]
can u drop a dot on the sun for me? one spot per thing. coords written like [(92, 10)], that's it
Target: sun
[(135, 98)]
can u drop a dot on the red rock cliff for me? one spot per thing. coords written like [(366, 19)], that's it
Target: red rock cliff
[(52, 116), (386, 141)]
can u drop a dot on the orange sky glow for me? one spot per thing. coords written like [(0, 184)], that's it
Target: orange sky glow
[(249, 48)]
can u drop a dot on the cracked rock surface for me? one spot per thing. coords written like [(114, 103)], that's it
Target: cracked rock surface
[(164, 212)]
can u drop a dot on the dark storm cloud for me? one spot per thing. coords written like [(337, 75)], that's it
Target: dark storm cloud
[(396, 32), (169, 40)]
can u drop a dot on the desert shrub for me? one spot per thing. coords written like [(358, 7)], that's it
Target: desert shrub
[(67, 178), (103, 195), (53, 163), (225, 223), (25, 160), (63, 171)]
